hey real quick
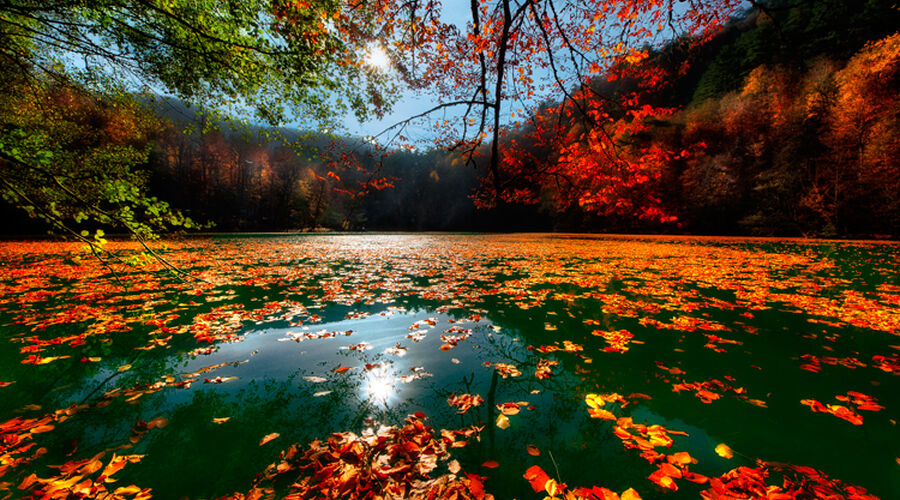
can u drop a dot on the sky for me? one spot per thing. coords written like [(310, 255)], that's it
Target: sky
[(455, 12), (409, 104)]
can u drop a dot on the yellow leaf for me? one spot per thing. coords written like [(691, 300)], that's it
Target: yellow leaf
[(123, 368), (724, 451), (502, 421), (552, 488), (127, 490), (630, 494)]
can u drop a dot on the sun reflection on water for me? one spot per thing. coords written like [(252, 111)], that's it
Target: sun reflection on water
[(380, 386)]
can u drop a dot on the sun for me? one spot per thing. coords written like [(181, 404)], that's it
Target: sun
[(377, 58)]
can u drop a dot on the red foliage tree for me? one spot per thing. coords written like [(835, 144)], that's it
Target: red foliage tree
[(512, 54)]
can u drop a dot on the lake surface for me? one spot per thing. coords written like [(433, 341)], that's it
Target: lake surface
[(608, 362)]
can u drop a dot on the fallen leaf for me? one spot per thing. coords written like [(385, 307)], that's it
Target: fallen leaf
[(724, 451), (123, 368), (321, 393), (127, 490), (221, 420), (533, 450), (630, 494), (682, 458), (502, 421), (158, 423), (537, 477), (552, 487), (491, 464), (268, 437), (315, 380)]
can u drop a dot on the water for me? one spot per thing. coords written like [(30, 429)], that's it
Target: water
[(327, 334)]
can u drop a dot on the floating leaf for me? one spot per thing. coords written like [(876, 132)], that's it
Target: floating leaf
[(630, 494), (268, 437), (502, 421), (537, 477), (724, 451), (464, 402)]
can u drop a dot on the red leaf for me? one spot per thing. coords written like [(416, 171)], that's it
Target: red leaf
[(537, 477)]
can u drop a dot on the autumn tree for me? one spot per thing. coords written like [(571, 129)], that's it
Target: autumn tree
[(513, 54), (863, 135), (276, 60)]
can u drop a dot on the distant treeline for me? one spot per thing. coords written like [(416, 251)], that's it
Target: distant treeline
[(313, 181)]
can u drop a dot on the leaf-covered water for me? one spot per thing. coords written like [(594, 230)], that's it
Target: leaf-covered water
[(607, 362)]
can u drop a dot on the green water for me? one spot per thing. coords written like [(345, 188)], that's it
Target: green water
[(766, 304)]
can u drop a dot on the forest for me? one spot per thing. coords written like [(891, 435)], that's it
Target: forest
[(783, 123)]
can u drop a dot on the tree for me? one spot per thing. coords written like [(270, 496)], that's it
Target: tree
[(863, 134), (514, 53), (283, 59), (72, 132)]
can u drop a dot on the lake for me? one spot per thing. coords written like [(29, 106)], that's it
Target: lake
[(457, 364)]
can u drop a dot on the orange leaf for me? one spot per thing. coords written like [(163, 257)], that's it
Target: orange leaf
[(660, 478), (127, 490), (533, 450), (694, 477), (268, 437), (158, 423), (630, 494), (537, 477), (491, 464), (601, 413), (682, 458)]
